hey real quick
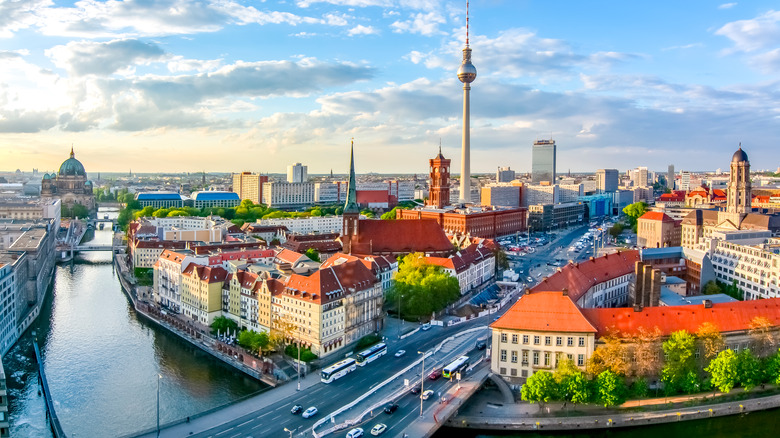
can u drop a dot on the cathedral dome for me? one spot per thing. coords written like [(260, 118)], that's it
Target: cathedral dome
[(72, 166), (739, 155)]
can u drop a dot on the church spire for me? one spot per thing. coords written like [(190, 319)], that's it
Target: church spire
[(351, 204), (71, 150)]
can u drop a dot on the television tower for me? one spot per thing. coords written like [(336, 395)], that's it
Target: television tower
[(466, 74)]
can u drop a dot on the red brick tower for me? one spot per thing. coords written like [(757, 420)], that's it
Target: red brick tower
[(439, 196)]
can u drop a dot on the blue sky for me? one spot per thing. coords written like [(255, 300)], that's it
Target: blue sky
[(232, 85)]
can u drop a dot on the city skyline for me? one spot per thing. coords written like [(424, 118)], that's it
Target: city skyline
[(167, 86)]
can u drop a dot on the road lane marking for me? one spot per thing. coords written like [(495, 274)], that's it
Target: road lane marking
[(245, 422)]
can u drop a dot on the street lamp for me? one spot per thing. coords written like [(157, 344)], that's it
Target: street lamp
[(399, 315), (159, 377), (422, 381), (288, 430)]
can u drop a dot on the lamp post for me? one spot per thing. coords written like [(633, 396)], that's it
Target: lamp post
[(298, 367), (288, 430), (422, 381), (159, 377), (400, 326)]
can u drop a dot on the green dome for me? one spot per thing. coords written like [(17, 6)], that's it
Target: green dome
[(72, 166)]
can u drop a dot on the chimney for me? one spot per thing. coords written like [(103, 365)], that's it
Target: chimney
[(637, 307), (707, 304), (565, 292)]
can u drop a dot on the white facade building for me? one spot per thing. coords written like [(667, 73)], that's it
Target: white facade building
[(544, 195), (284, 194), (751, 258), (297, 173), (570, 192), (307, 225)]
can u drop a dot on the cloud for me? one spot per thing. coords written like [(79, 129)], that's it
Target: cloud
[(683, 47), (81, 58), (727, 5), (421, 23), (18, 14), (754, 34), (362, 30), (178, 64)]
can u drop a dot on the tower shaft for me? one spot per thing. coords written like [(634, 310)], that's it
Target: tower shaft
[(465, 153)]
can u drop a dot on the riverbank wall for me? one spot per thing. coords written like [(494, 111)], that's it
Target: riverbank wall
[(258, 368)]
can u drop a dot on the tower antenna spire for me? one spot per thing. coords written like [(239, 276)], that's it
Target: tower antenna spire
[(439, 146), (467, 23)]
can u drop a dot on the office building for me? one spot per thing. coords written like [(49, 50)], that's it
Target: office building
[(502, 195), (297, 173), (539, 194), (670, 177), (249, 186), (685, 181), (505, 174), (215, 199), (278, 194), (160, 199), (570, 192), (543, 162), (607, 180), (639, 177)]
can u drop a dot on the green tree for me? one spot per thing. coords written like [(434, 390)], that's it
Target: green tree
[(540, 387), (578, 388), (772, 367), (424, 288), (679, 350), (640, 388), (610, 388), (390, 215), (711, 288), (368, 213), (616, 230), (502, 262), (253, 341), (723, 370), (635, 211), (749, 370), (312, 254), (161, 212), (565, 370), (223, 325)]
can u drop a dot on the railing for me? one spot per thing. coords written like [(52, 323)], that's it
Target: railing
[(54, 421)]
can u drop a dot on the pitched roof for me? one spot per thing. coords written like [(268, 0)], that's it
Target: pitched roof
[(206, 273), (577, 278), (331, 283), (544, 311), (656, 216), (728, 317), (400, 236)]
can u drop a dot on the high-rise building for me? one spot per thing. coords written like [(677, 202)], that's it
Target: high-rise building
[(607, 180), (439, 196), (685, 181), (249, 185), (670, 177), (297, 173), (639, 177), (505, 174), (543, 161), (466, 74)]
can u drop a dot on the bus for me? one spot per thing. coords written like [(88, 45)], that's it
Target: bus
[(338, 370), (371, 354), (456, 366)]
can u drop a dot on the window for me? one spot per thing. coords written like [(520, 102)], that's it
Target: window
[(580, 360), (523, 373), (502, 371), (537, 340), (525, 339), (513, 372), (581, 342), (570, 341), (503, 337), (514, 339), (547, 358), (548, 340), (559, 341), (514, 357), (536, 358), (525, 357), (503, 355)]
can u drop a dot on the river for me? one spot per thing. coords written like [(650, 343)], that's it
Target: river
[(103, 362)]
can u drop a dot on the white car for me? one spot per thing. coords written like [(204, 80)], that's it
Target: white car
[(310, 412), (355, 433), (400, 353), (379, 429), (427, 394)]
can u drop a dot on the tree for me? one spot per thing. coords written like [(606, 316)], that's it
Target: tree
[(540, 387), (772, 368), (634, 212), (647, 348), (640, 388), (711, 288), (710, 339), (565, 370), (611, 356), (723, 369), (424, 288), (748, 369), (610, 388), (223, 325), (679, 350), (578, 388), (502, 262), (390, 215), (253, 341), (616, 230), (761, 335), (312, 254)]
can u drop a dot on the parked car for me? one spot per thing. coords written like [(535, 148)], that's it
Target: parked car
[(391, 407), (379, 429), (297, 409), (435, 374), (400, 353), (310, 412), (355, 433)]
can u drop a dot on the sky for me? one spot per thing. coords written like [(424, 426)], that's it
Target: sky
[(240, 85)]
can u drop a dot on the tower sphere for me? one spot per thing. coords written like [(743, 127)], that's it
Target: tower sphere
[(467, 72)]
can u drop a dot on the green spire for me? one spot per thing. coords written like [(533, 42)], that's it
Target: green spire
[(351, 205)]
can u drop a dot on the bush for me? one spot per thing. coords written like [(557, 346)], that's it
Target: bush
[(306, 354), (367, 341), (145, 276)]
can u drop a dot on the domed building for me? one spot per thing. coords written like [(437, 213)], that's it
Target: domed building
[(70, 185)]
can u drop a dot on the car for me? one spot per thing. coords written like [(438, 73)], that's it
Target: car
[(310, 412), (355, 433), (435, 374), (400, 353), (415, 389), (427, 394), (481, 345), (391, 407), (426, 326), (378, 429), (297, 409)]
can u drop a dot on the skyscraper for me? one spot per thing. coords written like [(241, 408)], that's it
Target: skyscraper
[(639, 177), (466, 74), (297, 173), (607, 180), (505, 174), (543, 161), (670, 177), (249, 185)]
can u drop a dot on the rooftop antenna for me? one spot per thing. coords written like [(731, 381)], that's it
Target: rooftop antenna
[(439, 145)]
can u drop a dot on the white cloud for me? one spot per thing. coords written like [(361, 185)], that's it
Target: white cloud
[(726, 5), (362, 30), (84, 57), (178, 64), (754, 34), (18, 14), (420, 23), (683, 47)]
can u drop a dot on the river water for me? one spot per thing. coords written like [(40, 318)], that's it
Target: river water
[(102, 361)]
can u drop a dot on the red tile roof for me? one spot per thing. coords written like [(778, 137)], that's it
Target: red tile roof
[(209, 274), (400, 236), (656, 216), (728, 317), (331, 283), (546, 312), (577, 278)]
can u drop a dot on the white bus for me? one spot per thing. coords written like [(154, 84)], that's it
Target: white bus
[(371, 354), (455, 367), (338, 370)]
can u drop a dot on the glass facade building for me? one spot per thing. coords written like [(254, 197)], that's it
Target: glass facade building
[(543, 161)]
